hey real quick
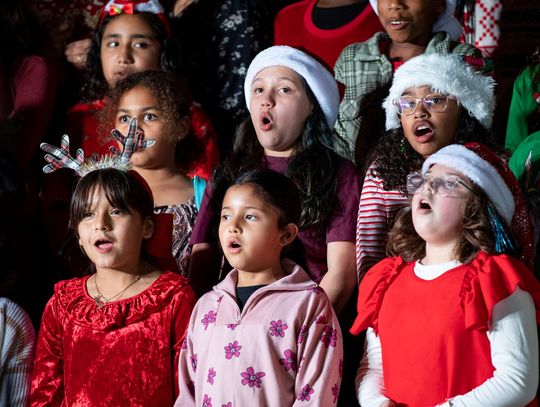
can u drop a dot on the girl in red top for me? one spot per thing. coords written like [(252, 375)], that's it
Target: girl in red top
[(451, 320), (112, 338), (132, 36)]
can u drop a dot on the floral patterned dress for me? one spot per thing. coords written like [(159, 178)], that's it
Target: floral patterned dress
[(283, 349)]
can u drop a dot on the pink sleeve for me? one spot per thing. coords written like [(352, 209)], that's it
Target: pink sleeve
[(186, 367), (320, 355), (376, 211), (48, 373)]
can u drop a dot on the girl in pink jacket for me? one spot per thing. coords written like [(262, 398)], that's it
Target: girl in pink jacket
[(267, 334)]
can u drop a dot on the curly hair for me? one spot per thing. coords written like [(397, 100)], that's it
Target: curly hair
[(95, 86), (312, 166), (172, 99), (393, 158), (476, 235)]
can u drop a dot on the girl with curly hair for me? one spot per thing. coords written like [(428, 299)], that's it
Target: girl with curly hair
[(435, 100), (159, 103), (132, 36), (467, 309)]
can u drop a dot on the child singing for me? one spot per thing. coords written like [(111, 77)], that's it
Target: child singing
[(467, 311), (111, 338), (267, 334)]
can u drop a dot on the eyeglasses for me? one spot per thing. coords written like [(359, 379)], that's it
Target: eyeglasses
[(407, 105), (443, 186)]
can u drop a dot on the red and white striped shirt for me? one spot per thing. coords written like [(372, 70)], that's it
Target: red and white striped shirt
[(376, 212)]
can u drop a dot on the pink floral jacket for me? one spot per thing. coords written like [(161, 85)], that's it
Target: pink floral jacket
[(283, 349)]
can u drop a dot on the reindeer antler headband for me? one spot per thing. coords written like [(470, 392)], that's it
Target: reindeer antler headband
[(59, 157)]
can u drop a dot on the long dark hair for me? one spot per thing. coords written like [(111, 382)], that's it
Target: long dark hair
[(393, 157), (312, 166), (95, 86)]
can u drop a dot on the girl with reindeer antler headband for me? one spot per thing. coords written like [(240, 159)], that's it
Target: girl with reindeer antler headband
[(113, 337)]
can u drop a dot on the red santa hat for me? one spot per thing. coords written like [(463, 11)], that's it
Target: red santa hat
[(491, 173)]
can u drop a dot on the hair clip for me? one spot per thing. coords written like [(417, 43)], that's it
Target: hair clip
[(60, 157)]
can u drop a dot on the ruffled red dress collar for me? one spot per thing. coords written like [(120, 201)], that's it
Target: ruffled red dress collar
[(73, 298)]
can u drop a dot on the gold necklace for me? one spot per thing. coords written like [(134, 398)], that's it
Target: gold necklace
[(101, 300)]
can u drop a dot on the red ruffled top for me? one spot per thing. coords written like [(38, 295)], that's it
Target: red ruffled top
[(123, 354), (433, 332)]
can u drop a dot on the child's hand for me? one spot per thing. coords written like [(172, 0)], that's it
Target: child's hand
[(134, 141), (60, 157)]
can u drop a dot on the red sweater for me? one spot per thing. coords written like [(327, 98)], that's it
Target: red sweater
[(294, 26)]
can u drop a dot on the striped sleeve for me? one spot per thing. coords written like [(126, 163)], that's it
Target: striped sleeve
[(17, 341), (375, 217)]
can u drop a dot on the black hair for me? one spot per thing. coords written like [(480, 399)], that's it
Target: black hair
[(393, 157), (122, 189), (275, 189), (312, 166), (172, 98), (279, 192), (95, 86)]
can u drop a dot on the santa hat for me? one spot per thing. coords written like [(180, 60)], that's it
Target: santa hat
[(446, 21), (445, 73), (491, 173), (480, 172), (116, 7), (319, 79)]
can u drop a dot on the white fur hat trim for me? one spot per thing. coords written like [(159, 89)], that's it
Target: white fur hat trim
[(319, 79), (448, 74), (479, 172), (446, 21)]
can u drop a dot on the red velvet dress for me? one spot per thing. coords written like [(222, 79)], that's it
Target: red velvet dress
[(433, 332), (124, 354)]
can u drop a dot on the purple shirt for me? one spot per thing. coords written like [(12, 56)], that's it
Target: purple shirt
[(341, 226)]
